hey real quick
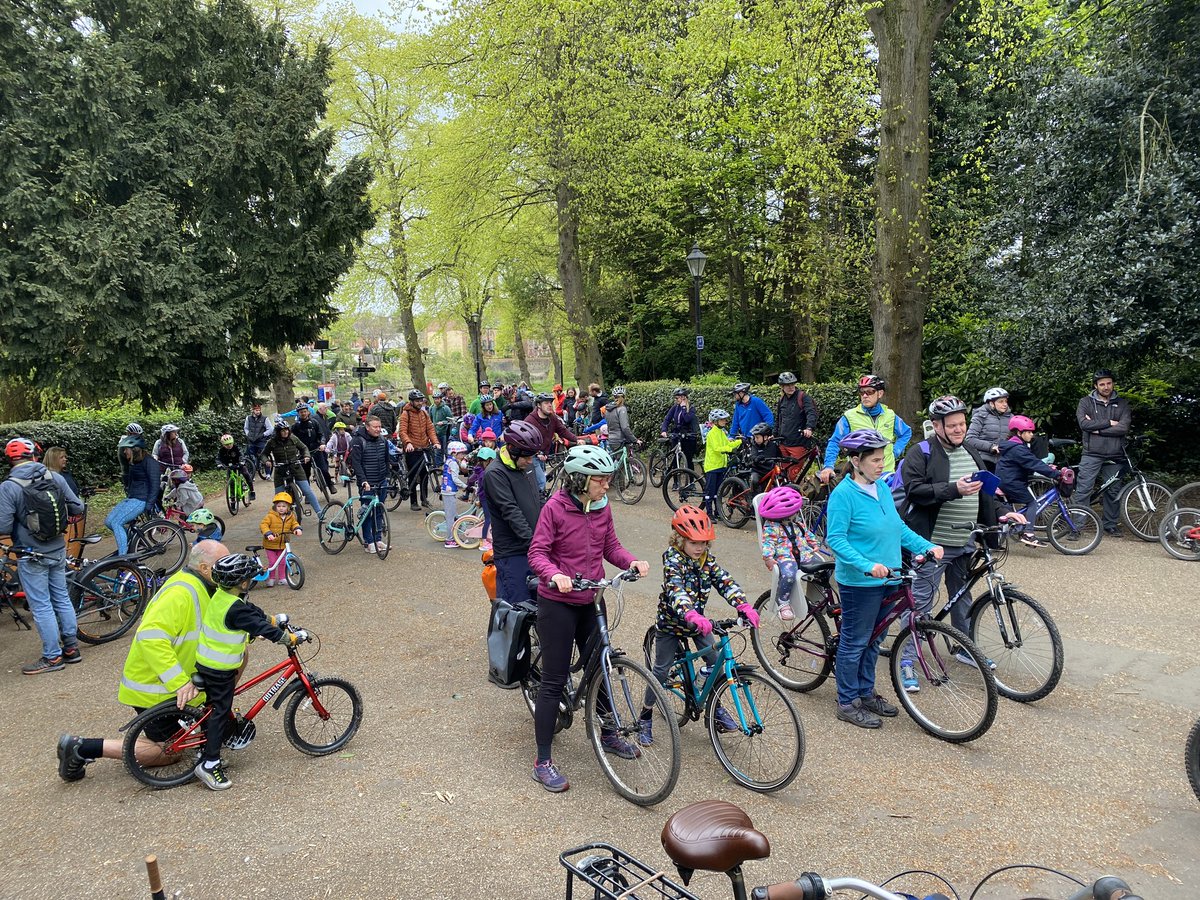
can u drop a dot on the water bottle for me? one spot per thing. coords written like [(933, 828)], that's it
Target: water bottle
[(705, 671)]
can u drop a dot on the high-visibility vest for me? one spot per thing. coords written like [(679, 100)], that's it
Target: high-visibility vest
[(220, 648), (885, 423), (162, 657)]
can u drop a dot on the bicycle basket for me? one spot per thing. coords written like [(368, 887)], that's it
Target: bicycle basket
[(612, 874)]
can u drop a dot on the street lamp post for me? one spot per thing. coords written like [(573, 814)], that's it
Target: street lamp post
[(695, 263)]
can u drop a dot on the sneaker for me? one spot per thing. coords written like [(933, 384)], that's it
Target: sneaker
[(414, 506), (71, 654), (725, 723), (70, 763), (645, 732), (44, 664), (618, 746), (381, 547), (857, 714), (370, 548), (215, 778), (967, 660), (547, 775), (270, 582), (879, 706), (252, 497), (450, 545), (1030, 540), (785, 612), (908, 678)]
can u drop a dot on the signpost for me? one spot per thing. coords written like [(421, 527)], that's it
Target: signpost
[(360, 371)]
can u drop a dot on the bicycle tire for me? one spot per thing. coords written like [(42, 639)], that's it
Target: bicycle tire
[(164, 534), (1187, 497), (293, 572), (111, 597), (1143, 505), (633, 483), (383, 533), (768, 751), (797, 654), (334, 529), (261, 469), (165, 763), (1028, 670), (812, 514), (1173, 533), (656, 467), (531, 682), (683, 487), (343, 707), (966, 693), (395, 495), (231, 497), (463, 528), (1191, 758), (650, 776), (674, 686), (733, 502), (1079, 535), (435, 525)]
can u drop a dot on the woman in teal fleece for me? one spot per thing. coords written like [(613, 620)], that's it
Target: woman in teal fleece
[(865, 534)]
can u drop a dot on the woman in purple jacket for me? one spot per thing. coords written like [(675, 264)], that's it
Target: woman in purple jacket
[(574, 533)]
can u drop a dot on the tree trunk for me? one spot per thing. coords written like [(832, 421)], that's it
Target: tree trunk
[(282, 388), (904, 32), (475, 335), (551, 340), (405, 292), (412, 343), (519, 350), (570, 276)]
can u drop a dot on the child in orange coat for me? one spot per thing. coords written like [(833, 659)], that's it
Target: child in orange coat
[(274, 526)]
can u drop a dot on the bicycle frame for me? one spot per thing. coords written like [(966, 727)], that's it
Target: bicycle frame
[(1052, 497), (724, 670), (282, 560)]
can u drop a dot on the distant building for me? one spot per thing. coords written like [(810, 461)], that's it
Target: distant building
[(450, 336)]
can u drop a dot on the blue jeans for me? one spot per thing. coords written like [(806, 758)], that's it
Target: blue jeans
[(124, 512), (539, 472), (371, 524), (954, 564), (512, 573), (45, 585), (856, 652)]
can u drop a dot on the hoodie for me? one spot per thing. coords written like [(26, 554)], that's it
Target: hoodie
[(568, 540), (12, 507)]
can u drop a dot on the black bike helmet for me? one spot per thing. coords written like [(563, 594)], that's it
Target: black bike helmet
[(873, 382), (1103, 373), (231, 571), (543, 397), (682, 392), (760, 428), (523, 438), (945, 406), (742, 387), (787, 378), (414, 394)]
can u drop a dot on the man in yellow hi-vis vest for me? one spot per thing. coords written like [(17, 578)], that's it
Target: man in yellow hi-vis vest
[(870, 413), (161, 658)]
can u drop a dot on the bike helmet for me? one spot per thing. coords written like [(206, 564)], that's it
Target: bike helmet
[(946, 406), (993, 394), (485, 399), (436, 395), (227, 440), (523, 438), (718, 415), (202, 516), (282, 497), (682, 392), (339, 426), (232, 570), (20, 448), (485, 384), (134, 428), (544, 397), (587, 460), (780, 503), (873, 382), (187, 469), (282, 424), (487, 435), (485, 453), (456, 447), (618, 392), (131, 442), (414, 394), (742, 387), (760, 428), (787, 378), (693, 524), (443, 386), (1103, 373), (1067, 476), (168, 429), (862, 440), (1021, 423)]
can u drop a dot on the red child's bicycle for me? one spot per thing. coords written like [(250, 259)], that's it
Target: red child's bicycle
[(163, 744)]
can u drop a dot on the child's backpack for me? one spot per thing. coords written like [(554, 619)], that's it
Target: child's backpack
[(45, 506)]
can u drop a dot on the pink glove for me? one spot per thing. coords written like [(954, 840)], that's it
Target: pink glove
[(747, 612), (697, 621)]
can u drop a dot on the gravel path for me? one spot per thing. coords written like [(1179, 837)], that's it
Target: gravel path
[(433, 797)]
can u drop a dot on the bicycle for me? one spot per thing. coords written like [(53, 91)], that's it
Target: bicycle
[(319, 475), (629, 477), (1191, 758), (300, 505), (611, 691), (1142, 501), (1073, 530), (337, 524), (769, 734), (259, 464), (953, 702), (718, 836), (323, 714), (664, 459), (237, 489), (166, 538), (435, 522), (1179, 533), (736, 493), (173, 512), (287, 568)]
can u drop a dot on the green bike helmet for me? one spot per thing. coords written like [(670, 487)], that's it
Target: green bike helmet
[(202, 516), (588, 460)]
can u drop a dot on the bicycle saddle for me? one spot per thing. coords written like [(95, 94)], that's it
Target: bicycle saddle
[(814, 568), (90, 539), (713, 835), (1062, 442), (254, 548), (198, 681)]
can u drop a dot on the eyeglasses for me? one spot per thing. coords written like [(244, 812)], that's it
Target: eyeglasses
[(602, 479)]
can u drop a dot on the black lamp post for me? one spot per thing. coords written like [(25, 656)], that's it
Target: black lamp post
[(695, 263)]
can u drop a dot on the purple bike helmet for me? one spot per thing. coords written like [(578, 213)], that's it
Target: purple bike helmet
[(862, 440), (522, 438), (780, 503)]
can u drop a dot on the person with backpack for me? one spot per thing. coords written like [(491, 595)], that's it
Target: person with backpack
[(35, 504), (796, 417)]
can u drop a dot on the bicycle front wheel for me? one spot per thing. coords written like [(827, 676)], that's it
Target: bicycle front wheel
[(165, 536), (683, 487), (953, 700), (383, 533), (798, 654), (162, 745), (733, 502), (231, 495), (435, 524), (766, 749), (293, 572), (1191, 759), (1179, 533), (1143, 505), (633, 482), (324, 725), (1019, 636), (111, 597), (1075, 532), (642, 773), (333, 529)]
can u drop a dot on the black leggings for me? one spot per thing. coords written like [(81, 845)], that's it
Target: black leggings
[(418, 474), (559, 626), (218, 687)]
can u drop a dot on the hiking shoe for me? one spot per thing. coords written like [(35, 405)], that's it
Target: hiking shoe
[(44, 664), (215, 778), (645, 732), (879, 706), (71, 654), (908, 678), (618, 746), (967, 660), (785, 612), (70, 763), (1030, 540), (857, 714), (547, 775), (725, 722)]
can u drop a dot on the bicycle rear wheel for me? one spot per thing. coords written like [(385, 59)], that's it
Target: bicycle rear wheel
[(1075, 532), (1179, 533), (798, 654), (321, 731), (165, 536), (162, 745), (395, 494), (334, 529), (954, 701), (675, 686), (531, 682), (633, 482), (110, 598), (733, 502), (766, 751), (1187, 496), (1020, 637), (1143, 505), (1191, 759), (656, 466), (683, 487), (649, 776), (468, 531)]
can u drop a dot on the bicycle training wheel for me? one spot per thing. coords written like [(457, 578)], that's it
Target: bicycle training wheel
[(324, 725), (111, 597), (1075, 532), (1179, 533), (642, 773), (633, 482), (334, 529), (293, 572), (162, 745), (468, 531), (953, 701), (798, 654), (733, 502), (383, 533), (1191, 759), (1019, 636), (168, 542), (766, 749), (1143, 505), (231, 496), (435, 524), (683, 487)]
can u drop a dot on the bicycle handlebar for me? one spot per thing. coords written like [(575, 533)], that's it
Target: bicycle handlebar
[(579, 583), (811, 886)]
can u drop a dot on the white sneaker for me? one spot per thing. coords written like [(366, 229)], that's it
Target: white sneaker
[(370, 548), (380, 546)]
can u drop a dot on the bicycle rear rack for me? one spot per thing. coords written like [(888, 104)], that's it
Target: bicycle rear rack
[(612, 874)]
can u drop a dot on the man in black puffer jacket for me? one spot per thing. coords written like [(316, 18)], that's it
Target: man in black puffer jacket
[(369, 460), (515, 504)]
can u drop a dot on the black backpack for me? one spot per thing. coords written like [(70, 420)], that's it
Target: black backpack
[(45, 506)]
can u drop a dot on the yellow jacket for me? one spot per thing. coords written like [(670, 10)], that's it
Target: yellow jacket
[(162, 657), (717, 447), (273, 523)]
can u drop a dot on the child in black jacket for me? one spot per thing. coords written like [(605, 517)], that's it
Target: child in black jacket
[(1017, 463)]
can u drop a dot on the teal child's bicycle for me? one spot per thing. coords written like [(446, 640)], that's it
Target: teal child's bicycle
[(338, 524)]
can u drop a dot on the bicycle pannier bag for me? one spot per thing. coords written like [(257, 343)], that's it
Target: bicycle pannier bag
[(508, 642), (45, 506)]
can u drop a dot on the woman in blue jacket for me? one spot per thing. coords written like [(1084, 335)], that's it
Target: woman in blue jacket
[(865, 534), (140, 477), (488, 417)]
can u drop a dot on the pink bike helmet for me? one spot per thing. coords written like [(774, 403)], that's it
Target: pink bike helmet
[(1021, 423), (1067, 475), (780, 503)]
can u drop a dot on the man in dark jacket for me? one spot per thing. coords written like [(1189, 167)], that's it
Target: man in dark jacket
[(386, 413), (548, 424), (308, 430), (369, 460), (514, 503), (795, 418), (288, 456), (1104, 419)]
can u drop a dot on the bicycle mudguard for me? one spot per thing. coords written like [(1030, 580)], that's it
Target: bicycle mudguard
[(296, 685)]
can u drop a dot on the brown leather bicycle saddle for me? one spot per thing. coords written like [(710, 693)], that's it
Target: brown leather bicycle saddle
[(713, 835)]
